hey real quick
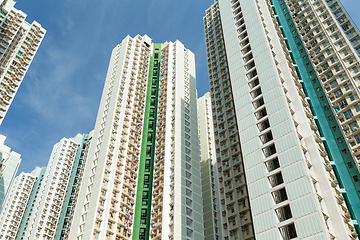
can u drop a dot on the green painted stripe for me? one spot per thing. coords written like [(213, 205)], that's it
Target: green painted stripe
[(141, 229)]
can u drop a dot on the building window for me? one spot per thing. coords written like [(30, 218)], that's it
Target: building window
[(289, 231), (338, 93), (188, 212), (348, 114), (333, 84), (354, 126), (325, 67), (276, 179), (357, 108), (188, 183), (329, 75), (189, 232), (356, 179), (357, 138), (247, 230), (343, 103), (189, 222), (96, 234)]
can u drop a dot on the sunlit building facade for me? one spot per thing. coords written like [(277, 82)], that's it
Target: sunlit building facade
[(283, 142), (19, 41), (49, 202), (142, 175), (9, 165), (73, 188), (14, 208), (38, 173)]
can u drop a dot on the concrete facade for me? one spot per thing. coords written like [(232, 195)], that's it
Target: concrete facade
[(143, 166), (19, 43), (10, 162), (291, 184)]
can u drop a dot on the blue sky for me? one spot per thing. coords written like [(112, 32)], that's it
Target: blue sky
[(60, 94)]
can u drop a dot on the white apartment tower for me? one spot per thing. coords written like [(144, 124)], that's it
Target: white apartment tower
[(19, 41), (46, 209), (277, 179), (142, 175), (209, 166), (13, 211), (9, 165)]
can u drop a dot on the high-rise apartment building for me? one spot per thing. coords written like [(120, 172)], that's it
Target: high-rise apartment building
[(332, 49), (142, 174), (72, 192), (286, 147), (9, 165), (13, 211), (38, 173), (50, 202), (19, 41), (209, 165)]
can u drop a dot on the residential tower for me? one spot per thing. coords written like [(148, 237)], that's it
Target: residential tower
[(19, 41), (142, 175), (265, 94)]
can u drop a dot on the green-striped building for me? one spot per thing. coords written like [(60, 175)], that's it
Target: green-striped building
[(142, 174)]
